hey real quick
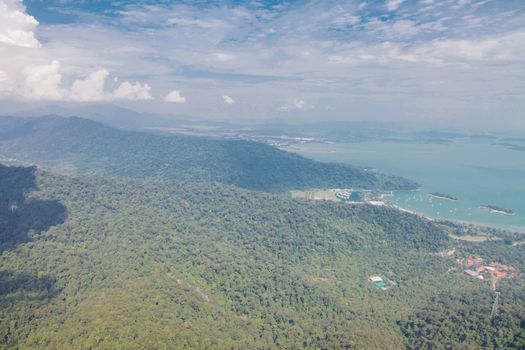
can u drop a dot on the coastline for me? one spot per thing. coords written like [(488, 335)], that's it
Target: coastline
[(516, 229), (395, 206), (380, 155)]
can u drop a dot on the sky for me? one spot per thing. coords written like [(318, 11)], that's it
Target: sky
[(454, 63)]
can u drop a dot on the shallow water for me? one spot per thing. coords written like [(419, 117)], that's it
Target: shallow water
[(474, 171)]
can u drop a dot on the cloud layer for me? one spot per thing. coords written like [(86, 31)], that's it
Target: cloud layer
[(26, 77), (450, 60)]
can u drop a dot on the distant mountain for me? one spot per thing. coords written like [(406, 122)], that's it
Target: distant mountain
[(106, 113), (75, 144)]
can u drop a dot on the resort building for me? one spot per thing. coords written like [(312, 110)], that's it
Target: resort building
[(471, 273), (378, 282)]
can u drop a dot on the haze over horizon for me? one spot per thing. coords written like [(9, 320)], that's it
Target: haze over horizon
[(458, 63)]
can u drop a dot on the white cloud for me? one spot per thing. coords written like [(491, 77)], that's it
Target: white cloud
[(223, 57), (395, 29), (128, 91), (228, 100), (42, 82), (463, 2), (346, 20), (16, 26), (91, 88), (4, 81), (24, 75), (507, 47), (466, 49), (393, 5), (299, 104), (175, 97), (203, 23), (295, 104), (405, 28)]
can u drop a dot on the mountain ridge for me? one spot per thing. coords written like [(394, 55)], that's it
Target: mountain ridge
[(88, 146)]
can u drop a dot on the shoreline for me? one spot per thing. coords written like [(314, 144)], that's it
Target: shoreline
[(467, 202), (384, 202), (519, 229), (395, 206)]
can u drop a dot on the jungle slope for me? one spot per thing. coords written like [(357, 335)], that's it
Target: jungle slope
[(134, 264)]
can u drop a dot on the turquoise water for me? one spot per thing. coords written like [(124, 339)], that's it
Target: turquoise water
[(474, 171)]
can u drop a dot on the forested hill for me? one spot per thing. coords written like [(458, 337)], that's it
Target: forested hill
[(95, 263), (75, 144)]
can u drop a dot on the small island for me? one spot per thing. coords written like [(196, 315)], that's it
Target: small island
[(442, 196), (496, 209)]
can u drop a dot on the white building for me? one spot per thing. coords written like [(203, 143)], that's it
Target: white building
[(374, 279), (471, 273)]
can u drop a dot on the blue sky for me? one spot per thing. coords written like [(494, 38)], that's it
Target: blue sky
[(449, 62)]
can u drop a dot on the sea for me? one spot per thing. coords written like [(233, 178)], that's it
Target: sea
[(476, 171)]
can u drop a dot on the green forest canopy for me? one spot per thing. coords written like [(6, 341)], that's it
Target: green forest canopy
[(133, 264)]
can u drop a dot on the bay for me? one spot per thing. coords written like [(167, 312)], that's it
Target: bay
[(476, 171)]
